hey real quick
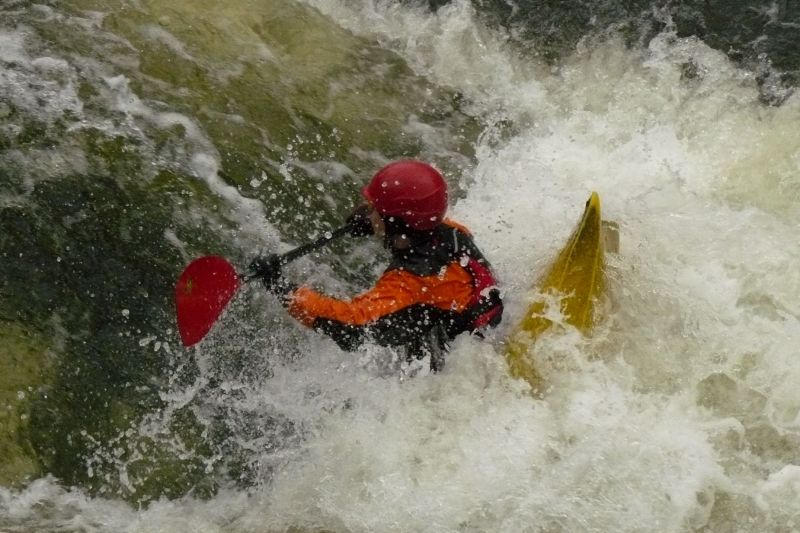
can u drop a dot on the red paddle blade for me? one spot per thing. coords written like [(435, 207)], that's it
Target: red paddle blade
[(204, 289)]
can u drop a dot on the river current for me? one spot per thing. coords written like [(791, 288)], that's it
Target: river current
[(136, 135)]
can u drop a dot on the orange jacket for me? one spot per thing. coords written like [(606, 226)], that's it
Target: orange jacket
[(436, 281), (395, 290)]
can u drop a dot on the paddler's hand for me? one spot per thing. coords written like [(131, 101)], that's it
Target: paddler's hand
[(267, 268), (359, 222)]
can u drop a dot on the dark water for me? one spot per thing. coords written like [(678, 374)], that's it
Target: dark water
[(761, 36)]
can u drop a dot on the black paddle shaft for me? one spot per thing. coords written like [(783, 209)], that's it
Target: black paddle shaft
[(321, 241), (300, 251)]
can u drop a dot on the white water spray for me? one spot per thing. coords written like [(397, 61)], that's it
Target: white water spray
[(680, 412)]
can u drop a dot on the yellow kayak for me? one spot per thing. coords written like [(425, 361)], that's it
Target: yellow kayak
[(577, 276)]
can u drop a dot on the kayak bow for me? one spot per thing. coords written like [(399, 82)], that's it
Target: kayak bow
[(577, 276)]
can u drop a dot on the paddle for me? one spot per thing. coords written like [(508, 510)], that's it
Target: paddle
[(208, 283)]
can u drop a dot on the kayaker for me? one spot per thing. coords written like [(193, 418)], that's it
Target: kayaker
[(437, 285)]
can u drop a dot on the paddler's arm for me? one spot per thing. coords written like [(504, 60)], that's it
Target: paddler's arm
[(348, 321)]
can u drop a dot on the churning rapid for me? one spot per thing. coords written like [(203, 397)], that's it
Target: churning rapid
[(137, 135)]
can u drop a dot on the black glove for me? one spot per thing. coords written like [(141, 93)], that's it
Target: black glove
[(359, 222), (267, 268)]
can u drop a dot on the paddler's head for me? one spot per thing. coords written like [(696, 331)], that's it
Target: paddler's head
[(408, 200)]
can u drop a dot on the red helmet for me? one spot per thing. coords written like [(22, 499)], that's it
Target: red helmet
[(412, 191)]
